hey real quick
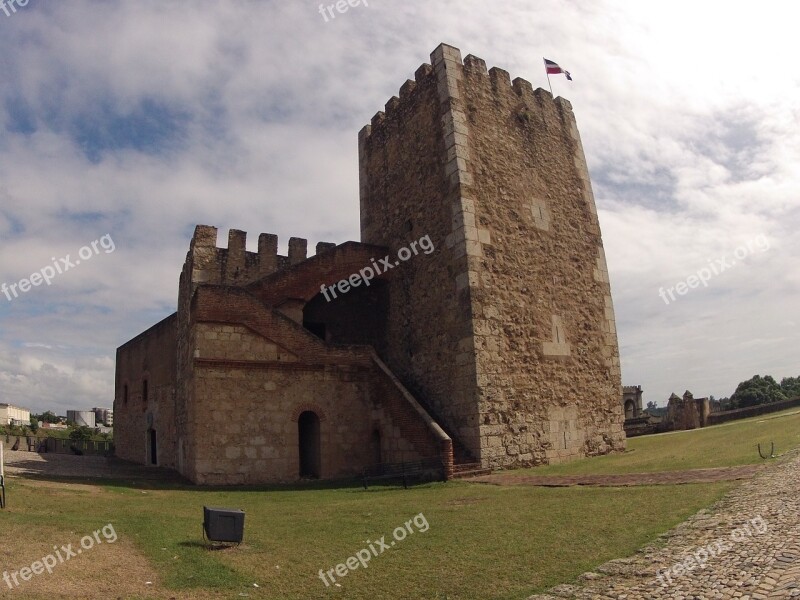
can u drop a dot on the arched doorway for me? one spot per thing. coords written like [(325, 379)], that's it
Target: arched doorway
[(152, 443), (375, 447), (308, 433), (629, 409)]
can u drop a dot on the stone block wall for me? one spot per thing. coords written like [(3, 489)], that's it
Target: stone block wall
[(545, 335), (508, 329), (405, 194), (249, 431), (687, 412), (503, 337), (150, 356), (255, 372)]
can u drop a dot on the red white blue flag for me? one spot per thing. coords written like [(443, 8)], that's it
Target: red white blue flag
[(553, 69)]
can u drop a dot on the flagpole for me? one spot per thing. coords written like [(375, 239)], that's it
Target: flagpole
[(546, 72)]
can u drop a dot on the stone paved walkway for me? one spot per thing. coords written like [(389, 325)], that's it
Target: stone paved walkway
[(661, 478), (746, 546)]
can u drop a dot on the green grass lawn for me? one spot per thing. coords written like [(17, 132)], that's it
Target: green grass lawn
[(725, 445), (482, 541)]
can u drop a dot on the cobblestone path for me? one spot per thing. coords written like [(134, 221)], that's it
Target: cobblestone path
[(746, 546)]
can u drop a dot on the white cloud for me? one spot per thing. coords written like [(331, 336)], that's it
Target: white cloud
[(687, 112)]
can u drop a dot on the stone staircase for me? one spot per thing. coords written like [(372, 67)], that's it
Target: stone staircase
[(464, 463), (470, 469)]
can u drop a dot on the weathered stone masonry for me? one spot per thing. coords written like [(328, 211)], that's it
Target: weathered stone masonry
[(508, 333), (499, 347)]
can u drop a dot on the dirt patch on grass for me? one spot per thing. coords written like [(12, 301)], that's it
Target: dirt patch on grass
[(628, 479), (103, 570)]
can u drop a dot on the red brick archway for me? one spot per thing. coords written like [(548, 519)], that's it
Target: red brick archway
[(301, 408)]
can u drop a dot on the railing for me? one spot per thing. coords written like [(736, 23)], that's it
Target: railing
[(407, 413), (427, 469)]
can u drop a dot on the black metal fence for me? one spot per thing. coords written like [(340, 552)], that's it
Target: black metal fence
[(426, 469), (59, 446)]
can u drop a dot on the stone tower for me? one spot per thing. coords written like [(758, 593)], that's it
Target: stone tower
[(506, 332)]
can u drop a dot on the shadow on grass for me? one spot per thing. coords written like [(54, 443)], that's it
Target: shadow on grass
[(211, 546), (178, 483)]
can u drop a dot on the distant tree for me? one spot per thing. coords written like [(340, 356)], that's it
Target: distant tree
[(654, 410), (79, 434), (757, 390), (725, 403), (48, 417), (34, 424), (791, 386)]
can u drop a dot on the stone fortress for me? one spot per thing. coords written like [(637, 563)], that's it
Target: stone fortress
[(498, 348), (632, 401)]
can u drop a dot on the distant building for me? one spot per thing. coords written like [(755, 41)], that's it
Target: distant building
[(687, 412), (104, 416), (632, 401), (637, 420), (81, 418), (14, 415), (45, 425)]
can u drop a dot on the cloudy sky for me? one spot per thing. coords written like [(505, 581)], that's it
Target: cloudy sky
[(138, 119)]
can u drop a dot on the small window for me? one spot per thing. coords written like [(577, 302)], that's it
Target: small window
[(125, 394)]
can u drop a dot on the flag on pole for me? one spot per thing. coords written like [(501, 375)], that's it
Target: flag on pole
[(553, 69)]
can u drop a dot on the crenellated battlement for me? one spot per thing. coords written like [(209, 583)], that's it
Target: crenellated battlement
[(234, 265), (493, 170), (450, 77)]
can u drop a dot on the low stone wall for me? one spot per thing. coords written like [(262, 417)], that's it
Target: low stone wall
[(640, 426), (58, 445), (751, 411)]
